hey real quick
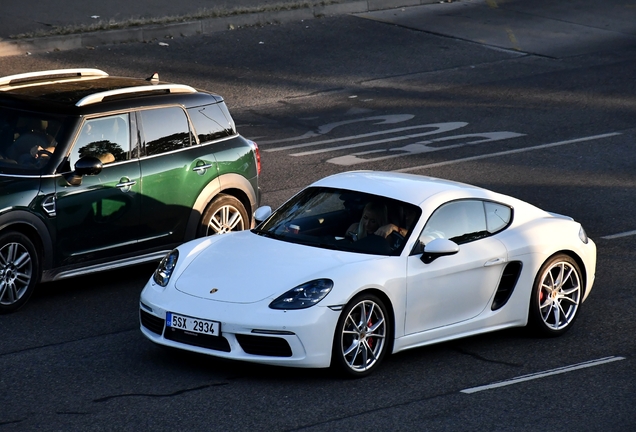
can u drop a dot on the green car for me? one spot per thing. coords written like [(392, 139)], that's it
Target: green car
[(99, 172)]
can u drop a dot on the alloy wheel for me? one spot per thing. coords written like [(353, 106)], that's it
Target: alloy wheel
[(16, 272), (559, 295), (363, 337)]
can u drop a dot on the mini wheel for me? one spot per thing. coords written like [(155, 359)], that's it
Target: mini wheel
[(362, 336), (556, 296), (224, 214), (19, 270)]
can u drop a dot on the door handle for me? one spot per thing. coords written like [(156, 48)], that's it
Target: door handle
[(125, 184), (200, 169), (494, 261)]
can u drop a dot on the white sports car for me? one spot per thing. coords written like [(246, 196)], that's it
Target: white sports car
[(362, 264)]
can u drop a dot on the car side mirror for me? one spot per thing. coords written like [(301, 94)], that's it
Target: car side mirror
[(438, 248), (262, 213), (88, 165)]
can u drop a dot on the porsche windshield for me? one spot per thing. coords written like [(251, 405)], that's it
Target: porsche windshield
[(343, 220)]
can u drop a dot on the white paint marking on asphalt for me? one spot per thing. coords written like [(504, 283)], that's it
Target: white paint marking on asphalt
[(538, 375), (421, 147), (623, 234), (508, 152), (439, 128), (388, 119), (354, 137)]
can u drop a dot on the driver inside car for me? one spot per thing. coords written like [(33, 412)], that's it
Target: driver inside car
[(374, 220)]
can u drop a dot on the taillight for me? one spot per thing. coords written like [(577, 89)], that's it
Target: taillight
[(257, 153)]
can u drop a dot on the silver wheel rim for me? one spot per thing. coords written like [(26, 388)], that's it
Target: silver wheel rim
[(227, 218), (16, 269), (363, 335), (559, 295)]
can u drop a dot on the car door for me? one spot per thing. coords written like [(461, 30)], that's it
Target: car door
[(457, 287), (175, 169), (99, 218)]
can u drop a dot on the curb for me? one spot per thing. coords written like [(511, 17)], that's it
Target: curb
[(190, 28)]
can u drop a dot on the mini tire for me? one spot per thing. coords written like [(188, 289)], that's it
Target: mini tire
[(556, 296), (19, 270), (224, 214), (362, 337)]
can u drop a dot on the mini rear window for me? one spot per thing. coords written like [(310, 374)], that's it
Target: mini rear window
[(209, 122)]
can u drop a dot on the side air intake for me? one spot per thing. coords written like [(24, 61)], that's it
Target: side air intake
[(507, 284)]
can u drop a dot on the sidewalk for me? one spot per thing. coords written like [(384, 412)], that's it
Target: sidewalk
[(31, 26)]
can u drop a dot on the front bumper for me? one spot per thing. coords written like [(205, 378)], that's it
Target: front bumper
[(250, 332)]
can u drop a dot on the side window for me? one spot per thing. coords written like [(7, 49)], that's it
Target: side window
[(497, 216), (209, 122), (459, 221), (164, 130), (106, 138)]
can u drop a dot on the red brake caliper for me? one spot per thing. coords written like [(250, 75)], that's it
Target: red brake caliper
[(370, 340)]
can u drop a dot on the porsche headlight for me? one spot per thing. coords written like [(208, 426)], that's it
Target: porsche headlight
[(166, 268), (303, 296), (583, 235)]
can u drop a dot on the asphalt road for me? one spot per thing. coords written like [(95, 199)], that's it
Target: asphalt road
[(345, 93)]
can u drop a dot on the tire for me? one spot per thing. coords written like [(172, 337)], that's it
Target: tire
[(556, 296), (362, 337), (19, 270), (224, 214)]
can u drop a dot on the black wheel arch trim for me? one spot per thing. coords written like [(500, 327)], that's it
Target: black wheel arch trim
[(33, 227)]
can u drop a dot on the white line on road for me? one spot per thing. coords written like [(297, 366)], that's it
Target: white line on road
[(508, 152), (623, 234), (538, 375), (365, 135)]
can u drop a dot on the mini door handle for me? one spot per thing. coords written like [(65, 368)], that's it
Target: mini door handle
[(202, 168), (126, 184)]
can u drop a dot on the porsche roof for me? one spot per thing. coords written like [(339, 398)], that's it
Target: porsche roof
[(404, 187)]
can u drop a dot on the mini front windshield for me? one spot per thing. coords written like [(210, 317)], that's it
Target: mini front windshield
[(27, 139), (343, 220)]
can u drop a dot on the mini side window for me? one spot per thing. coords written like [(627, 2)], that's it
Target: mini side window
[(164, 130), (106, 138), (209, 122)]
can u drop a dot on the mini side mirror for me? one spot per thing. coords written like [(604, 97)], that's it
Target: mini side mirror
[(88, 165)]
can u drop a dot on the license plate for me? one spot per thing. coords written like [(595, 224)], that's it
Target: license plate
[(194, 325)]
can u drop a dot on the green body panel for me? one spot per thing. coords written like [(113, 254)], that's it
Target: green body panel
[(18, 192), (170, 187), (97, 219)]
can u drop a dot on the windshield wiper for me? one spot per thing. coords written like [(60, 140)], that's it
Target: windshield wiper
[(269, 234)]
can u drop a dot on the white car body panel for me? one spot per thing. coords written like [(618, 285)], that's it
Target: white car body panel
[(428, 303)]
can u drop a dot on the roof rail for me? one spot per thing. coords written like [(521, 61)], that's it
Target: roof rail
[(57, 73), (98, 97)]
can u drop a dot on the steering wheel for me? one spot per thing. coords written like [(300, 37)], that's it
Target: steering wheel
[(43, 152), (395, 240)]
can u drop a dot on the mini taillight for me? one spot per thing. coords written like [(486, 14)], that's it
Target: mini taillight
[(257, 152)]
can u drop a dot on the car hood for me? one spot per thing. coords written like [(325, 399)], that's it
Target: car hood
[(245, 268)]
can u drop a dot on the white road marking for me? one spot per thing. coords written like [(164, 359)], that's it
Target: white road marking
[(421, 147), (508, 152), (538, 375), (439, 128), (353, 137), (623, 234), (388, 119)]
